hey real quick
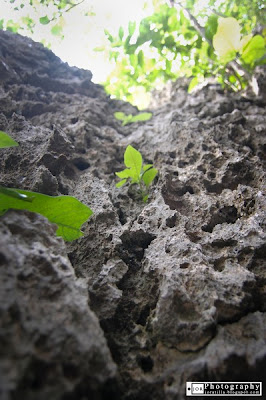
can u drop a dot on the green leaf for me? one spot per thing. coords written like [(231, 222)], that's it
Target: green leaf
[(56, 30), (14, 194), (134, 171), (6, 140), (254, 50), (121, 33), (133, 160), (120, 115), (44, 20), (211, 26), (141, 58), (170, 42), (193, 83), (126, 173), (145, 198), (133, 60), (98, 49), (121, 183), (110, 37), (149, 176), (147, 166), (131, 27), (142, 117), (12, 26), (227, 39), (65, 211), (127, 120)]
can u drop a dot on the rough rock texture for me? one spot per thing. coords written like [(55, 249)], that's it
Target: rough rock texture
[(177, 285), (51, 342)]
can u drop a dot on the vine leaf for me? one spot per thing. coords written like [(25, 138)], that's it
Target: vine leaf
[(66, 212), (6, 140)]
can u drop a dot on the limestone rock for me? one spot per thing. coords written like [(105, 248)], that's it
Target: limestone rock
[(177, 283), (51, 343)]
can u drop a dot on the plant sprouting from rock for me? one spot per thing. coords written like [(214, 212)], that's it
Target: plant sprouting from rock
[(136, 172), (129, 119)]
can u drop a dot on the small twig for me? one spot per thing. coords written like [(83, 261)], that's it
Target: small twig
[(217, 12), (74, 5), (61, 12), (232, 70), (197, 26)]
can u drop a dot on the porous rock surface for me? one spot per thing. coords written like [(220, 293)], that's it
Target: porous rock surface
[(154, 294)]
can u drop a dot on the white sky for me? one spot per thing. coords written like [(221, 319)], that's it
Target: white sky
[(82, 33)]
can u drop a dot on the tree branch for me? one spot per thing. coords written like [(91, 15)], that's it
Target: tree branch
[(74, 5), (197, 26)]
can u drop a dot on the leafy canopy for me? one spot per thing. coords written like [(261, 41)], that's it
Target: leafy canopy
[(43, 12), (223, 39), (66, 212), (192, 39), (136, 172)]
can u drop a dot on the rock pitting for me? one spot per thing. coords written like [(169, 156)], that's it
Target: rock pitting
[(154, 294)]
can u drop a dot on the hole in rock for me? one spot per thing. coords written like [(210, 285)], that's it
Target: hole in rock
[(3, 259), (219, 264), (146, 363), (74, 120), (70, 371), (38, 374), (220, 243), (227, 214), (136, 242), (184, 265), (172, 154), (143, 316), (171, 221), (81, 164)]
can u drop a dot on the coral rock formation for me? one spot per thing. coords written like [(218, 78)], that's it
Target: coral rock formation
[(155, 294)]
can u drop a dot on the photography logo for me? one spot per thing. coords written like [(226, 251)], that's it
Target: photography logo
[(224, 388)]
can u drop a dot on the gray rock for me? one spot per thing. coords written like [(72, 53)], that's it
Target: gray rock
[(51, 343), (177, 283)]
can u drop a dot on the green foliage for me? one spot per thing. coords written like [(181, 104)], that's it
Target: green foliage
[(44, 20), (135, 172), (65, 211), (253, 50), (38, 15), (6, 140), (172, 42), (129, 119), (177, 41)]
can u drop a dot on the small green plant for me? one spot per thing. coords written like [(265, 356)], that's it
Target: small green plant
[(129, 119), (136, 173), (67, 212)]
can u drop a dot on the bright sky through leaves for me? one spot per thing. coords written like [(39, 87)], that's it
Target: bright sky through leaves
[(164, 43), (81, 33)]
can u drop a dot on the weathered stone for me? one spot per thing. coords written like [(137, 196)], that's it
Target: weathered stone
[(177, 283), (51, 343)]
